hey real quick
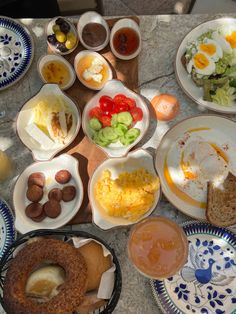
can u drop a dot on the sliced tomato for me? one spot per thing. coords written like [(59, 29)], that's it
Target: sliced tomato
[(130, 102), (95, 112), (137, 114), (106, 103), (118, 98), (105, 120), (122, 106)]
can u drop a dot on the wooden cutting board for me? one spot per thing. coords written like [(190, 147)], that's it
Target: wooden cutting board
[(88, 154)]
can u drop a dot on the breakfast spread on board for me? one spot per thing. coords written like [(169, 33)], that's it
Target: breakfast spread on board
[(51, 271)]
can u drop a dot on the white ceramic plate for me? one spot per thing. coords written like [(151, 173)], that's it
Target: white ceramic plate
[(208, 128), (25, 117), (49, 168), (85, 53), (139, 158), (111, 89), (51, 58), (184, 79)]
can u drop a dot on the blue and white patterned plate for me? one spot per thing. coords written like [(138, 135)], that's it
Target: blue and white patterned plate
[(207, 282), (16, 51), (7, 230)]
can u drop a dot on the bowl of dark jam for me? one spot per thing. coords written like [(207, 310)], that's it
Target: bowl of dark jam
[(93, 31)]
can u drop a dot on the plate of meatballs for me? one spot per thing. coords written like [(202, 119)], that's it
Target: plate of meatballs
[(47, 194)]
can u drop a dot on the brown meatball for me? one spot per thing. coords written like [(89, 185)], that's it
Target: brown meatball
[(63, 176), (68, 193), (34, 210), (36, 178), (55, 194), (52, 208), (39, 218), (34, 193)]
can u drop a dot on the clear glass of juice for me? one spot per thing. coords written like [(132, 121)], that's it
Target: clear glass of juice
[(157, 247), (6, 166)]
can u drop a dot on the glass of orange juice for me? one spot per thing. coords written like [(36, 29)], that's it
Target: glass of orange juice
[(6, 166), (158, 247)]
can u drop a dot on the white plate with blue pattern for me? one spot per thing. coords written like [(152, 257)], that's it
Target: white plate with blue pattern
[(7, 229), (207, 282), (16, 51)]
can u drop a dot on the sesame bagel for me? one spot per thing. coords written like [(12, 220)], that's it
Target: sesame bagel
[(71, 292)]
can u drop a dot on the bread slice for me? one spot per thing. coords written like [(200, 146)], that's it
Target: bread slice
[(221, 202)]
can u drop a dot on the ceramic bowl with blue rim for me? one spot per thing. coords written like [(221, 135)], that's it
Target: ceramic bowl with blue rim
[(207, 282), (16, 51), (7, 230)]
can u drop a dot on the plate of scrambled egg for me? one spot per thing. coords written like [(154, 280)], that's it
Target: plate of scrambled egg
[(122, 191)]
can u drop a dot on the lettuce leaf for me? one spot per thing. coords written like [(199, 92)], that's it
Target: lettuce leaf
[(224, 96)]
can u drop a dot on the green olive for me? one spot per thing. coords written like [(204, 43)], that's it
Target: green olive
[(71, 36), (61, 37), (56, 28), (70, 43)]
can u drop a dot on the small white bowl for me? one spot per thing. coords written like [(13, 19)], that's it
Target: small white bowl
[(49, 168), (139, 158), (25, 117), (85, 53), (49, 31), (53, 57), (111, 89), (92, 17), (123, 23)]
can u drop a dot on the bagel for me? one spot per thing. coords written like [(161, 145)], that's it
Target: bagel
[(71, 292)]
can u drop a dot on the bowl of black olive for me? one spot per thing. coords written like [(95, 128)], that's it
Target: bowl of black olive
[(62, 37)]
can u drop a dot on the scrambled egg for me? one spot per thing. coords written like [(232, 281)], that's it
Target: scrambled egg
[(129, 196)]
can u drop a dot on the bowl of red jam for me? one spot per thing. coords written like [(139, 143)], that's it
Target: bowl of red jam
[(125, 39)]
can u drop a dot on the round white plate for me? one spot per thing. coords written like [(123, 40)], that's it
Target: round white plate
[(49, 168), (184, 79), (207, 282), (210, 128)]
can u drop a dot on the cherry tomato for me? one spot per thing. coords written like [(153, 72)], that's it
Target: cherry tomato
[(105, 120), (95, 112), (122, 106), (130, 102), (118, 98), (137, 114), (106, 103)]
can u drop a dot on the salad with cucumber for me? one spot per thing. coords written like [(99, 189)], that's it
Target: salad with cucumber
[(113, 120), (211, 62)]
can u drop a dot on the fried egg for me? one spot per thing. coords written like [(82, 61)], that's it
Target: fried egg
[(211, 48), (202, 64), (224, 44), (202, 162)]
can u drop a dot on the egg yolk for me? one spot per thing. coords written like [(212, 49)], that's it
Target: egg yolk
[(232, 39), (210, 49), (200, 61)]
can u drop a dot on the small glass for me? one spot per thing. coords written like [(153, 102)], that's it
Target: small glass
[(157, 247), (6, 166)]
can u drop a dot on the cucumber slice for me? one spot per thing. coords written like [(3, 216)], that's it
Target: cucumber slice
[(132, 133), (124, 140), (114, 119), (120, 129), (109, 134), (124, 118), (95, 124), (100, 140)]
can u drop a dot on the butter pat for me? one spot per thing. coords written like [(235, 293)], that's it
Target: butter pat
[(38, 135), (93, 72)]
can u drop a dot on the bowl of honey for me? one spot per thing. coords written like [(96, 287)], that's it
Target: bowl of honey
[(125, 39), (157, 247), (55, 69)]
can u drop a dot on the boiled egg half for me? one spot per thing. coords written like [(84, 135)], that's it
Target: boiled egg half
[(202, 64), (211, 48)]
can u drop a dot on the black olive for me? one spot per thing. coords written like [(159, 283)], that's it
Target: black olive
[(61, 47), (52, 39), (59, 21), (65, 27)]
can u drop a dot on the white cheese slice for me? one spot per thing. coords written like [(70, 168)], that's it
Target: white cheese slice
[(39, 136)]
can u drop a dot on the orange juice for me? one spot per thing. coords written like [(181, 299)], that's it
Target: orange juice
[(158, 247)]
